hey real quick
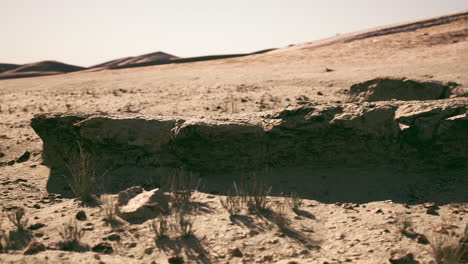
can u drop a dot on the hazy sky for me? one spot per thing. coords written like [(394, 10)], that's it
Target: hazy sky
[(87, 32)]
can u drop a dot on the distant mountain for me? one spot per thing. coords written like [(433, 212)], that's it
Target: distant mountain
[(154, 57), (6, 67), (42, 68)]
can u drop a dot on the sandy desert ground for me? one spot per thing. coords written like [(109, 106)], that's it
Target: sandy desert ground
[(340, 229)]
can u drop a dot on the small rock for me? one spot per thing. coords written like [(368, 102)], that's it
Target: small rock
[(328, 70), (444, 229), (2, 154), (430, 205), (149, 251), (378, 211), (253, 233), (36, 226), (24, 157), (236, 253), (11, 163), (319, 93), (34, 247), (401, 257), (175, 260), (422, 239), (409, 233), (103, 247), (114, 237), (81, 216), (431, 211), (143, 206), (126, 195), (132, 245)]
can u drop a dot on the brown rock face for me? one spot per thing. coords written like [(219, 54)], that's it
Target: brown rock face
[(383, 89), (403, 134)]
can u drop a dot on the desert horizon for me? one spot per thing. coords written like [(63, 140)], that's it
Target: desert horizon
[(351, 148)]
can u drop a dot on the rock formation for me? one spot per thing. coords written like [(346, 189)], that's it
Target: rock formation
[(392, 133)]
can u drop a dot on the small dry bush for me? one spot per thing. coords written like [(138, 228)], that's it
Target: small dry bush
[(109, 204), (450, 248), (82, 168), (255, 193), (182, 184), (183, 223), (3, 236), (159, 227), (232, 203), (19, 219), (71, 231), (280, 218), (295, 202), (404, 225)]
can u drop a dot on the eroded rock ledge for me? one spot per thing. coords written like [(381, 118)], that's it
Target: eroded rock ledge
[(392, 133)]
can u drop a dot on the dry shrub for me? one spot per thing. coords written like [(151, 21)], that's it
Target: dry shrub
[(231, 104), (182, 184), (71, 234), (71, 231), (295, 202), (183, 223), (3, 236), (255, 193), (82, 168), (109, 204), (159, 227), (404, 226), (450, 248), (19, 219), (280, 218), (233, 203)]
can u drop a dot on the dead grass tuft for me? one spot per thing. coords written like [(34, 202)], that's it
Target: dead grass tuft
[(19, 219), (450, 248), (280, 217), (183, 223), (3, 236), (182, 184), (82, 168), (232, 203), (71, 231), (159, 227), (295, 202), (256, 193), (109, 205)]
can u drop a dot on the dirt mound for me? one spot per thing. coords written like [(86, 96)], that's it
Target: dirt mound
[(127, 61), (39, 69), (388, 88), (7, 67)]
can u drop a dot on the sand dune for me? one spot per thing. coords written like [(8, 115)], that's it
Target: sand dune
[(154, 57), (6, 67), (39, 69)]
